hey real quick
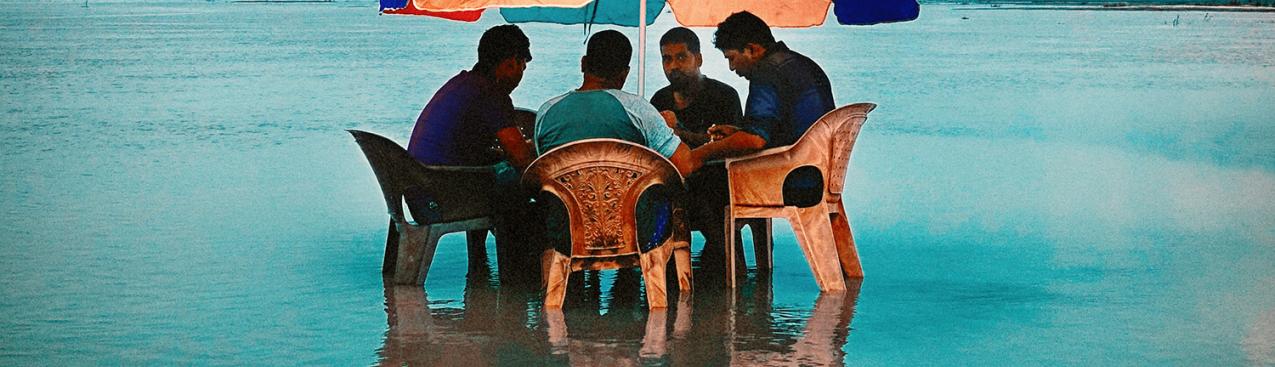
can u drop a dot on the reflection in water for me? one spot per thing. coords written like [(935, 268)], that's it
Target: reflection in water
[(505, 325)]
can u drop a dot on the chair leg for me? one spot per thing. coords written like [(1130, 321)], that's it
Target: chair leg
[(653, 265), (476, 242), (730, 248), (390, 262), (763, 245), (846, 251), (557, 270), (814, 235), (412, 241), (682, 256), (427, 254)]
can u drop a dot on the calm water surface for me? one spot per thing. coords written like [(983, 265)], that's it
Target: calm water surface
[(1037, 187)]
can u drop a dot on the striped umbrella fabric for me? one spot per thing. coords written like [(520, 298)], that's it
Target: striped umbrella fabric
[(640, 13), (689, 13)]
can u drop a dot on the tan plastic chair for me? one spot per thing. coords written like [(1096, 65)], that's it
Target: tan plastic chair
[(599, 181), (454, 199), (823, 231)]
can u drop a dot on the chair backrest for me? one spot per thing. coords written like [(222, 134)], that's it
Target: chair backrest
[(831, 139), (442, 194), (599, 181)]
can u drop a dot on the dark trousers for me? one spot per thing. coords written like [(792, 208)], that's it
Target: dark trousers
[(708, 196)]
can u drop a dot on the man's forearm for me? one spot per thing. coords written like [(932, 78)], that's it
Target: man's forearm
[(737, 144), (691, 138)]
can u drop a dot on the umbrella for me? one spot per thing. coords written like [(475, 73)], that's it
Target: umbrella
[(689, 13)]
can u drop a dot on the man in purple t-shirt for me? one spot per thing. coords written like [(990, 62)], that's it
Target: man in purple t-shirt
[(459, 124), (473, 109)]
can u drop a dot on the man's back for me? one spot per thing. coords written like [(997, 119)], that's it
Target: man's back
[(458, 126), (605, 113), (787, 94)]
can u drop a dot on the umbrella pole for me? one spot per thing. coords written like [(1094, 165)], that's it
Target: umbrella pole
[(642, 48)]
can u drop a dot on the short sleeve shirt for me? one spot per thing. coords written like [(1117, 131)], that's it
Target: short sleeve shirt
[(717, 103), (605, 113), (787, 93), (459, 124)]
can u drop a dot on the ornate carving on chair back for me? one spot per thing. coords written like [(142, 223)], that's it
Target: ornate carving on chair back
[(597, 193), (599, 181), (845, 123)]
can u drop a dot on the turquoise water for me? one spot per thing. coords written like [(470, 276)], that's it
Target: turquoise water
[(1036, 187)]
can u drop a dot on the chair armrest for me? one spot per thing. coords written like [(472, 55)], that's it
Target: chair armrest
[(764, 152), (453, 192), (758, 179), (480, 170)]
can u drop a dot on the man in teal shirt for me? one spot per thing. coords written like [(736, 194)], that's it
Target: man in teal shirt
[(599, 109)]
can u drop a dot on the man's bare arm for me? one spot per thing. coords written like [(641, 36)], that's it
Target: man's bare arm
[(515, 146), (732, 143), (684, 161), (691, 137)]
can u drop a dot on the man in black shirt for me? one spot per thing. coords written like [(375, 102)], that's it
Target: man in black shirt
[(695, 100)]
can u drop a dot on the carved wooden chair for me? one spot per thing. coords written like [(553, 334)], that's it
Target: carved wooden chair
[(599, 181), (441, 200), (822, 229)]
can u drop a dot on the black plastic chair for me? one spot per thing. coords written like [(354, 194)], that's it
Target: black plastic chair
[(441, 199)]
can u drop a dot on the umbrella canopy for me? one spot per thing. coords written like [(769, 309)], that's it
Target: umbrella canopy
[(640, 13)]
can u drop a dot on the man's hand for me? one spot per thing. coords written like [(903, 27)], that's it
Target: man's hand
[(670, 118), (719, 132)]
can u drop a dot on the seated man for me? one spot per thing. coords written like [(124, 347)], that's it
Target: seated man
[(787, 93), (470, 112), (473, 109), (695, 100), (600, 110)]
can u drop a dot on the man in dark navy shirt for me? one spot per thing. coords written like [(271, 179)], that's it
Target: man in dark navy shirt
[(462, 121), (787, 93), (696, 101), (473, 109)]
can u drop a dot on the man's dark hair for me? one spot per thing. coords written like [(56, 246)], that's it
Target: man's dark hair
[(607, 54), (681, 35), (740, 29), (499, 43)]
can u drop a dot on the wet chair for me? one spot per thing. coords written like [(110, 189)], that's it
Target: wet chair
[(757, 184), (441, 200), (599, 182)]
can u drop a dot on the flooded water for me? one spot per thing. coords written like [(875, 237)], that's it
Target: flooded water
[(1036, 187)]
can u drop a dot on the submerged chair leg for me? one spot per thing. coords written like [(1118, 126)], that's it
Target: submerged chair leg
[(390, 263), (427, 253), (814, 235), (557, 269), (762, 242), (476, 242), (655, 339), (653, 265), (730, 248), (846, 251), (682, 256), (412, 241)]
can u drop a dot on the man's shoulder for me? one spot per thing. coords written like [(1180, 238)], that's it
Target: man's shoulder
[(719, 88), (626, 99), (663, 98)]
